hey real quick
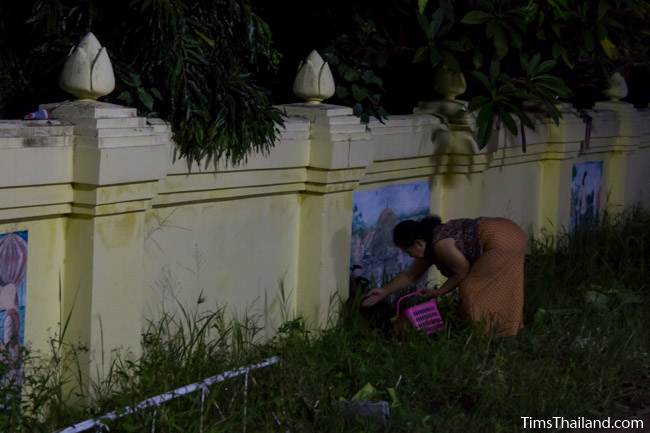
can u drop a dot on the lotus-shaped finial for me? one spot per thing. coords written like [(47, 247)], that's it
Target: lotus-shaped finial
[(617, 87), (448, 83), (314, 82), (88, 73)]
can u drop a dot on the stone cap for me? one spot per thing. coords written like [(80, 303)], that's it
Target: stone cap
[(71, 110), (35, 133)]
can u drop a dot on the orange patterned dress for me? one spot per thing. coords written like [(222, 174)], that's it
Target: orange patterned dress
[(493, 291)]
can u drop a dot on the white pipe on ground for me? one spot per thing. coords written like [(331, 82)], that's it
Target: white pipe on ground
[(162, 398)]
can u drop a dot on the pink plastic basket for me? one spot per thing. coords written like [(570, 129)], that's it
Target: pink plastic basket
[(424, 317)]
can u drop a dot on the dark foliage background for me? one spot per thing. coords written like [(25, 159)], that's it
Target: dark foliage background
[(355, 38)]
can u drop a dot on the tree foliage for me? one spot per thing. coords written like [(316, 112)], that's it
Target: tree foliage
[(192, 62), (520, 54)]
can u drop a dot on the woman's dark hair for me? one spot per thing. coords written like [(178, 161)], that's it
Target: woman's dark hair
[(407, 232)]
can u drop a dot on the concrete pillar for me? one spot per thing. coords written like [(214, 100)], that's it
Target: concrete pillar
[(118, 159), (339, 155), (625, 142)]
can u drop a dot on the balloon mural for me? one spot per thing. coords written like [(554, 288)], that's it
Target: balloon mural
[(13, 268)]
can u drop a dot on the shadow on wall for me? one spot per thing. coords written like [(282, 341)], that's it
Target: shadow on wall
[(454, 149), (340, 246)]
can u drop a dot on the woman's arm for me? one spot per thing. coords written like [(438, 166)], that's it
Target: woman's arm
[(401, 281), (409, 276), (449, 256)]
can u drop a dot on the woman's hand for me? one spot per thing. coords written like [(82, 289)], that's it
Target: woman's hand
[(373, 296)]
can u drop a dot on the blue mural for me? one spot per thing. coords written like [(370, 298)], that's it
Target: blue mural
[(374, 257), (586, 184), (13, 271)]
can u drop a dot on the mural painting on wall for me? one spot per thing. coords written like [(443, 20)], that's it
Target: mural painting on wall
[(13, 270), (374, 257), (586, 180)]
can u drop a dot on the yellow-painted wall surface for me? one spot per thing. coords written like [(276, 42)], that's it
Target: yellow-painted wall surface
[(238, 253)]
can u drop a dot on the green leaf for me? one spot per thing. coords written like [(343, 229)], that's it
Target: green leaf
[(420, 54), (466, 43), (557, 30), (527, 121), (351, 75), (394, 401), (126, 97), (476, 18), (369, 77), (436, 20), (484, 122), (146, 99), (500, 43), (603, 7), (368, 392), (551, 90), (450, 61), (495, 69), (477, 59), (435, 57), (422, 5), (359, 93), (156, 94), (136, 78), (507, 120), (490, 29), (424, 24), (516, 39), (567, 60), (446, 28), (342, 92), (534, 61), (205, 38), (458, 46), (609, 48), (557, 50)]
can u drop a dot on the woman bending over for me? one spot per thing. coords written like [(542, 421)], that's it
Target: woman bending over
[(483, 257)]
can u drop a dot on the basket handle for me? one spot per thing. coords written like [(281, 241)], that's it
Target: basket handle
[(416, 293)]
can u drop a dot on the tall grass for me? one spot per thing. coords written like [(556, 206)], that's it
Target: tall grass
[(584, 352)]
